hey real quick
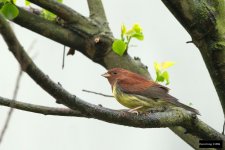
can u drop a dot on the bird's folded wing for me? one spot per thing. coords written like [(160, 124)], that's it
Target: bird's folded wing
[(154, 92)]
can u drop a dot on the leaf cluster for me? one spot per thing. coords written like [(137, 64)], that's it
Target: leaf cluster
[(161, 74), (120, 46)]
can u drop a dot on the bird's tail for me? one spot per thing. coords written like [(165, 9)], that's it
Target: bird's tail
[(188, 108)]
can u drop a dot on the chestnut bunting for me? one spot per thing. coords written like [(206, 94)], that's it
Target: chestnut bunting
[(140, 94)]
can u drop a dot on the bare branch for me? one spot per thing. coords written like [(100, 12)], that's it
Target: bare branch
[(97, 13), (50, 29), (11, 105), (69, 15), (40, 109), (97, 93), (97, 10), (161, 119)]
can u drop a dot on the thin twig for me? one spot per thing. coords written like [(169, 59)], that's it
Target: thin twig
[(7, 121), (15, 93), (63, 61), (223, 127), (97, 93), (189, 42)]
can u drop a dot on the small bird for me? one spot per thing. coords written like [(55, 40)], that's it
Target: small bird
[(140, 94)]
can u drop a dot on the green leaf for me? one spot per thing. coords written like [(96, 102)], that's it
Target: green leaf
[(160, 78), (138, 36), (165, 75), (14, 1), (10, 11), (119, 47), (60, 1), (27, 3), (3, 1)]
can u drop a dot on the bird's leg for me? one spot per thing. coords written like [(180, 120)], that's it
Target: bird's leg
[(134, 110)]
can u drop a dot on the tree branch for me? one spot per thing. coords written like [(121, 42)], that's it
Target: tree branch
[(161, 119), (204, 21), (72, 17), (97, 10), (40, 109), (49, 29), (97, 13)]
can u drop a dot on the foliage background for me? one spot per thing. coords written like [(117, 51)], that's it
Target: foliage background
[(165, 39)]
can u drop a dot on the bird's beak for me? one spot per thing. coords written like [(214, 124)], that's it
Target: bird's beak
[(106, 75)]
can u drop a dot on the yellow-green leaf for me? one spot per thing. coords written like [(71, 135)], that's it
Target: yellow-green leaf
[(157, 66), (123, 29), (27, 3), (138, 36), (161, 74), (137, 28), (167, 64), (130, 32)]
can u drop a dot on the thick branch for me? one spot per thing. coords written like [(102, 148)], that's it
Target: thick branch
[(162, 119), (97, 13), (39, 109), (49, 29), (96, 10), (69, 15), (204, 21)]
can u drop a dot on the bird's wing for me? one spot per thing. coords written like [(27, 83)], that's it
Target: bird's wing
[(155, 92)]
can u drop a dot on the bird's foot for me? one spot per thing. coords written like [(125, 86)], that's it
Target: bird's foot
[(134, 110)]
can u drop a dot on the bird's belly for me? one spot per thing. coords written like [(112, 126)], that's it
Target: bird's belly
[(134, 101)]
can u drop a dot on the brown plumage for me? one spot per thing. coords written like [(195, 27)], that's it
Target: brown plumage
[(135, 91)]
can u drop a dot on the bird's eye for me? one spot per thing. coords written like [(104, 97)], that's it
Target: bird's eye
[(114, 72)]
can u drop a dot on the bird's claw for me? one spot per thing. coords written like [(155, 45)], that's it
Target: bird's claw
[(134, 110)]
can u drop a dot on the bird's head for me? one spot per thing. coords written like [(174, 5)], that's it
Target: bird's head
[(115, 74), (122, 75)]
